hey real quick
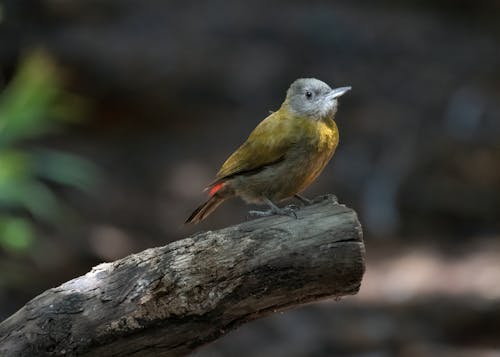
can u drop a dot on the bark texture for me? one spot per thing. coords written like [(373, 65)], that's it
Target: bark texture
[(169, 300)]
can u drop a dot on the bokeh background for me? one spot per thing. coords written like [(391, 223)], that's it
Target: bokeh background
[(114, 114)]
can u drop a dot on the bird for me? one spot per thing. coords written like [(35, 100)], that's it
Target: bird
[(283, 155)]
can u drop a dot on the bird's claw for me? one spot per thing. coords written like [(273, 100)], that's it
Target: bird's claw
[(289, 211)]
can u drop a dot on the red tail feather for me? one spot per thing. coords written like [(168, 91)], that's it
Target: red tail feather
[(215, 188), (210, 205)]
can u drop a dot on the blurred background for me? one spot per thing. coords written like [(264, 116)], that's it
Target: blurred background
[(114, 114)]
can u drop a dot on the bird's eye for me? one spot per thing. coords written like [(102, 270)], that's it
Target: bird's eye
[(308, 94)]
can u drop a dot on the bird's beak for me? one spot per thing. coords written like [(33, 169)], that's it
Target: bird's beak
[(337, 92)]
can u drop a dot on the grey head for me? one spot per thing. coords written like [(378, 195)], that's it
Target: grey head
[(313, 98)]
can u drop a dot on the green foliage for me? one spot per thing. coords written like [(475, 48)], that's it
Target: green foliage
[(16, 234), (32, 100), (30, 107)]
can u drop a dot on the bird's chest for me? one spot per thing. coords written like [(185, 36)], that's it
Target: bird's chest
[(312, 152), (319, 139)]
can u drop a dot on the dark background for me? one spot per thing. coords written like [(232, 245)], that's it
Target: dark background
[(172, 87)]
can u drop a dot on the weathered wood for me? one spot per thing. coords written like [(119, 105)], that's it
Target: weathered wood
[(169, 300)]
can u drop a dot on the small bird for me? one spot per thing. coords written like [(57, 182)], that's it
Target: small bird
[(283, 155)]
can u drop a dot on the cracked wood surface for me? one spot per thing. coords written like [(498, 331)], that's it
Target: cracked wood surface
[(167, 301)]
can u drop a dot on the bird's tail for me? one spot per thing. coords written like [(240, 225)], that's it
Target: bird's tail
[(205, 209)]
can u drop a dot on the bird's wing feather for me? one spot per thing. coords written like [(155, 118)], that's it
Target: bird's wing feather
[(266, 145)]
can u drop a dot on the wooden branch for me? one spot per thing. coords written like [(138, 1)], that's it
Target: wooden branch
[(167, 301)]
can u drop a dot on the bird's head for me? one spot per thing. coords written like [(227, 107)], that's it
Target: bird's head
[(313, 98)]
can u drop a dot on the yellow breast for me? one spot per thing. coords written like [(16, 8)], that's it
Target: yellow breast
[(321, 139), (323, 135)]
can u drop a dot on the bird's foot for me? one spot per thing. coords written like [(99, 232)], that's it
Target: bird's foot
[(289, 211), (256, 214), (285, 211)]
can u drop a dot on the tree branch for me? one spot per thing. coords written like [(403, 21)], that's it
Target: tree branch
[(169, 300)]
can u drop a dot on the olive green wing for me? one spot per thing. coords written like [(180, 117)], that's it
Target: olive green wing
[(266, 145)]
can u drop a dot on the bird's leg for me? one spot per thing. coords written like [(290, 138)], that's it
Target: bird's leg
[(305, 201), (274, 210)]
